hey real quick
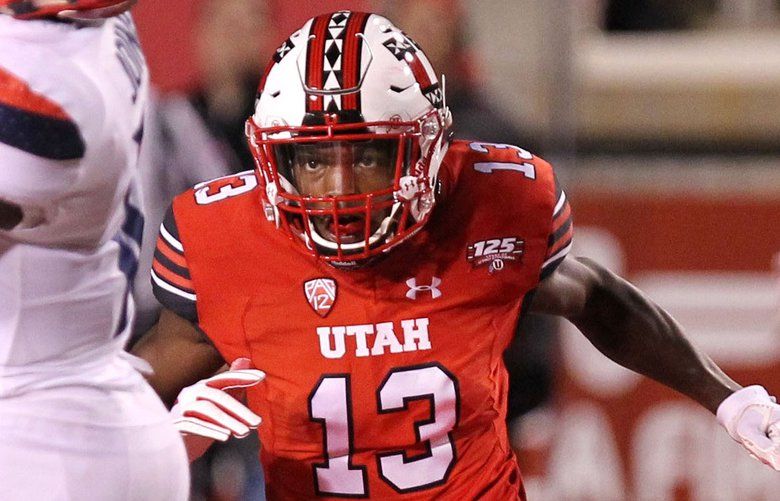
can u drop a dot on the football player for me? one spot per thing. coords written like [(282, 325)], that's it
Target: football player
[(374, 269), (77, 420)]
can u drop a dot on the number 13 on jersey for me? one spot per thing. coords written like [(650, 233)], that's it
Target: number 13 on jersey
[(527, 169), (330, 405)]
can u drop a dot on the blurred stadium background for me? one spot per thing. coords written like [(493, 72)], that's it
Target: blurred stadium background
[(663, 119)]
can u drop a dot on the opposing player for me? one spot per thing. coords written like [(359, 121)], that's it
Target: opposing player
[(374, 270), (77, 421)]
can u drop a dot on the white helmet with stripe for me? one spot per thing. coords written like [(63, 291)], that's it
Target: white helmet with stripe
[(349, 130)]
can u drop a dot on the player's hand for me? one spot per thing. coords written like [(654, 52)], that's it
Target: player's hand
[(752, 418), (211, 409)]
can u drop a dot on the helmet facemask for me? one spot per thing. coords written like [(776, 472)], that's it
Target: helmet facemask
[(349, 191)]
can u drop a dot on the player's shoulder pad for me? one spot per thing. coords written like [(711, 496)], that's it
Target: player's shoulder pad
[(504, 170), (234, 187), (43, 101)]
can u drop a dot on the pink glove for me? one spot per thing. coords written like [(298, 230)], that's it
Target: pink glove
[(211, 409)]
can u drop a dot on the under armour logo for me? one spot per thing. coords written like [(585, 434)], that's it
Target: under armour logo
[(414, 288)]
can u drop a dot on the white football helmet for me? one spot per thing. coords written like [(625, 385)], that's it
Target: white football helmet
[(67, 9), (349, 130)]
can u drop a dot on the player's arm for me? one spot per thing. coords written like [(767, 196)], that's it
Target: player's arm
[(179, 354), (626, 326), (207, 405)]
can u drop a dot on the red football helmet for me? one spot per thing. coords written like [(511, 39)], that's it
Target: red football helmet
[(349, 131), (70, 9)]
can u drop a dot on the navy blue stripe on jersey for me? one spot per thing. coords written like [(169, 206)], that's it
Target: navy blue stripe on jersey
[(183, 307), (169, 265), (561, 232), (128, 265), (40, 135), (552, 264), (169, 222), (133, 226), (129, 241)]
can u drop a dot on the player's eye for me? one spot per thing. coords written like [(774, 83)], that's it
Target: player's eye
[(368, 159), (309, 163)]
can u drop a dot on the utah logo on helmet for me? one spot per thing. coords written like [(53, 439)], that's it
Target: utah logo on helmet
[(66, 9), (348, 134)]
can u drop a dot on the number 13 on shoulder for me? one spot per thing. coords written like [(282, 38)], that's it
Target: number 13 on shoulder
[(527, 169)]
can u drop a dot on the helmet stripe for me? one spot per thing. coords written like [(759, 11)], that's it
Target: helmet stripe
[(314, 61), (267, 70), (353, 49), (419, 71)]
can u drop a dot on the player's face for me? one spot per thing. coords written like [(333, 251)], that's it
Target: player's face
[(344, 168)]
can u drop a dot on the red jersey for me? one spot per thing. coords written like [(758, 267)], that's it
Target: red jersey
[(385, 381)]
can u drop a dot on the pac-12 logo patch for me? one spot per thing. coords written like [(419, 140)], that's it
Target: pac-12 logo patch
[(321, 294), (495, 252)]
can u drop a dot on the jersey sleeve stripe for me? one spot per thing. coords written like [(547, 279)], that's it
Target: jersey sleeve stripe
[(563, 217), (560, 204), (170, 239), (181, 271), (560, 237), (174, 290), (558, 255), (563, 242), (169, 221), (552, 263), (171, 281), (562, 230), (171, 277), (170, 253)]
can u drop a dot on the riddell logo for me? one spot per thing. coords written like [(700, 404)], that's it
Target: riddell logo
[(321, 294)]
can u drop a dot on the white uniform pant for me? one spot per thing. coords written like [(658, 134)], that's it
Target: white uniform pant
[(81, 443)]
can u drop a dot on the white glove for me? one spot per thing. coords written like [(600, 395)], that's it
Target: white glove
[(752, 418), (211, 408)]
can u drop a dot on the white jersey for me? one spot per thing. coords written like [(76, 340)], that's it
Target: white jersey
[(71, 108)]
